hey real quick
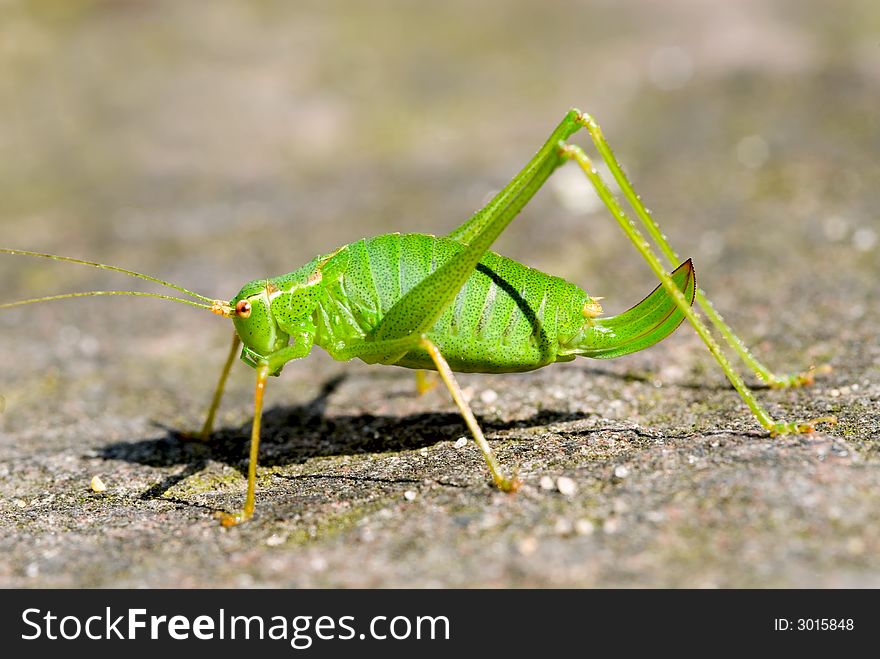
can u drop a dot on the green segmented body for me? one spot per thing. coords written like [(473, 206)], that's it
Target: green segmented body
[(507, 317)]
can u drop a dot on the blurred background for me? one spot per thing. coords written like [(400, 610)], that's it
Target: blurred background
[(217, 143), (211, 143)]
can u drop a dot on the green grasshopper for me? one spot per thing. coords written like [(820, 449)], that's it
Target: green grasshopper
[(449, 304)]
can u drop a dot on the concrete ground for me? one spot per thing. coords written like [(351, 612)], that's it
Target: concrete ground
[(209, 148)]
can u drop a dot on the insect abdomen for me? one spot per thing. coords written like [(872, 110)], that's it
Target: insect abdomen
[(507, 317)]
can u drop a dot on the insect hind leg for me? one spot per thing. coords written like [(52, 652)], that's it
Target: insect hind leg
[(672, 258), (776, 427)]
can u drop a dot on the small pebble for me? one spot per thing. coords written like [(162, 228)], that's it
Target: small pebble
[(489, 396), (275, 539), (584, 527), (318, 564), (409, 495), (461, 442), (547, 483), (611, 525), (528, 546), (835, 228), (855, 546), (97, 484), (566, 486), (563, 526), (620, 471), (864, 239)]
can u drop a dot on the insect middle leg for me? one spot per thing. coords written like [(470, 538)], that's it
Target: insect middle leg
[(265, 365), (390, 350), (424, 381), (505, 484), (227, 519)]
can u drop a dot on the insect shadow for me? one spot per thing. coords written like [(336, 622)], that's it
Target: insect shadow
[(648, 378), (295, 433)]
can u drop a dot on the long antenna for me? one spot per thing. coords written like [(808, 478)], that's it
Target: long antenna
[(49, 298), (131, 273)]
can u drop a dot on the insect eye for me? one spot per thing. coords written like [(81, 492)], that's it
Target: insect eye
[(243, 309)]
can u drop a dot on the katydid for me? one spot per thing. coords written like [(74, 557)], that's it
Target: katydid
[(449, 304)]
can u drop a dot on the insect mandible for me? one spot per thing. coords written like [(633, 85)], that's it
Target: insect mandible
[(449, 304)]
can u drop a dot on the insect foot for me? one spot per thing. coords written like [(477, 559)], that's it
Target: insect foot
[(794, 380), (799, 427), (228, 519), (509, 484)]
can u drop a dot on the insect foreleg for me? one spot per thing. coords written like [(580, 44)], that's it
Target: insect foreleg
[(775, 427), (208, 427), (644, 215)]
